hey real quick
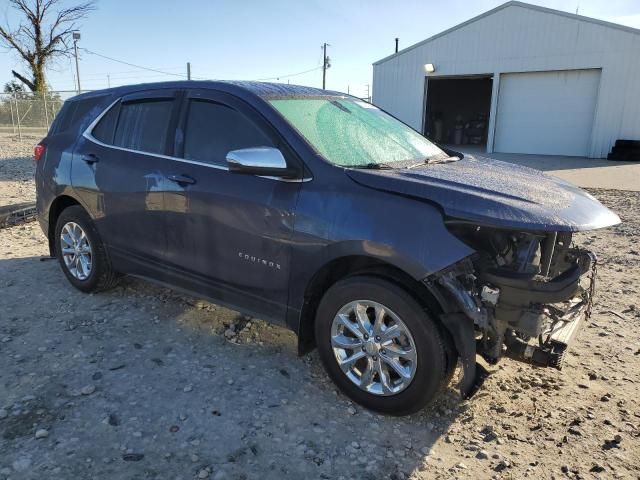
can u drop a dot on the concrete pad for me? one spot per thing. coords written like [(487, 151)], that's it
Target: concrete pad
[(584, 172)]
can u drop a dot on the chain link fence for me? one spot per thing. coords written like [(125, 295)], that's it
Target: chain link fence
[(30, 114)]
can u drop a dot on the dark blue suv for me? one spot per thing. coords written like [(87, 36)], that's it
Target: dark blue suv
[(393, 256)]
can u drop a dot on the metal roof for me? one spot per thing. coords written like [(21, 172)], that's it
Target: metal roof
[(506, 5)]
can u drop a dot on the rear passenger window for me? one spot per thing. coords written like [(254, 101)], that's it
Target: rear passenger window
[(143, 125), (213, 129), (105, 128)]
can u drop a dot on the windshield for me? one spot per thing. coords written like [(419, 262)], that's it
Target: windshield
[(353, 133)]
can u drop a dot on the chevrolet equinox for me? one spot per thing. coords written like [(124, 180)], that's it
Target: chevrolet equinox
[(395, 257)]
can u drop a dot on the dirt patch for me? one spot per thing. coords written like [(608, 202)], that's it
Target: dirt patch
[(24, 417), (141, 382)]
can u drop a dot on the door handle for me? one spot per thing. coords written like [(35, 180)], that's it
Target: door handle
[(182, 179), (90, 158)]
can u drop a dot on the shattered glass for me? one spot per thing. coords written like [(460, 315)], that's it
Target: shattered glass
[(352, 133)]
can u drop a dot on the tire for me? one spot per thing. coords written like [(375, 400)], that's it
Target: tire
[(100, 275), (431, 369)]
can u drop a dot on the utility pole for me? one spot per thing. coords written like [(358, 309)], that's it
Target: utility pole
[(397, 44), (76, 37), (325, 64), (188, 70), (108, 80)]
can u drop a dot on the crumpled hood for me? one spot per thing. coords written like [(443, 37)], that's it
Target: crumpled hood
[(491, 192)]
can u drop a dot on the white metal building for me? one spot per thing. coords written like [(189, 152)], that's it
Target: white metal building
[(519, 79)]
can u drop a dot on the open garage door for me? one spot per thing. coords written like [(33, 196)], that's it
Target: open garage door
[(546, 113), (457, 109)]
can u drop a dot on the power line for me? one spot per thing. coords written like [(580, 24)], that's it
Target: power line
[(181, 75), (133, 64), (125, 72), (289, 75)]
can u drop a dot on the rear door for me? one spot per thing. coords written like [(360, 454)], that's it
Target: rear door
[(235, 239), (120, 170), (53, 171)]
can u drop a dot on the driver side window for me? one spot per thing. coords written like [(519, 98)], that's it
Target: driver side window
[(213, 129)]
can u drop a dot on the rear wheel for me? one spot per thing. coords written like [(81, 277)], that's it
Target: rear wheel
[(81, 253), (380, 346)]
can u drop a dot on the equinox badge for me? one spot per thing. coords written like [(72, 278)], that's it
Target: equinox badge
[(261, 261)]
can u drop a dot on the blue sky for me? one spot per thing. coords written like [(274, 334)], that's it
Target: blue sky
[(253, 39)]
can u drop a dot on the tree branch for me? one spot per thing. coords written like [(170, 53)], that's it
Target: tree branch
[(10, 39), (67, 17), (24, 80)]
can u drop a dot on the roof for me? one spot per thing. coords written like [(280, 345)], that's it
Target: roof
[(260, 89), (512, 4), (267, 89)]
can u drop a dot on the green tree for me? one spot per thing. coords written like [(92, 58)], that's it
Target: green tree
[(42, 35), (13, 87)]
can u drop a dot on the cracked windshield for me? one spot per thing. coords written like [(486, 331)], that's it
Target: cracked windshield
[(353, 133)]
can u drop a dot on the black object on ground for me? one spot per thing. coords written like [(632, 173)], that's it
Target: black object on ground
[(11, 215), (627, 150)]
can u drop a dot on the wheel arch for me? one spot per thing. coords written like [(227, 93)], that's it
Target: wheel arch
[(360, 265), (57, 207)]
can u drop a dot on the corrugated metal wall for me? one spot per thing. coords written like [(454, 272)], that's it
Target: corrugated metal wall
[(517, 38)]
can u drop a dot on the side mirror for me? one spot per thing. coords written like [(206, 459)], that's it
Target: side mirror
[(264, 161)]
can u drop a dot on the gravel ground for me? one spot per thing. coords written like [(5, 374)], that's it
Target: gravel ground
[(141, 382), (17, 169)]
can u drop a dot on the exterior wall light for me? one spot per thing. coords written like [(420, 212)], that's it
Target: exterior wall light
[(429, 67)]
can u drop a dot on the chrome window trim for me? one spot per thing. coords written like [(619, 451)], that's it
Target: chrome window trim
[(88, 134)]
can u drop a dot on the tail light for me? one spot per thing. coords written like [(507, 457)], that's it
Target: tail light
[(38, 151)]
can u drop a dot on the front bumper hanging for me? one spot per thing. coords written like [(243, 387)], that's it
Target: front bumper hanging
[(564, 322), (530, 320)]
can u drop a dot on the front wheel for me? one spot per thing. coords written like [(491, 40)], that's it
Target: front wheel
[(380, 346)]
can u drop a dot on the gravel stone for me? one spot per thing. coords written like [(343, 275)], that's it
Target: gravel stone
[(21, 464), (88, 389), (482, 455)]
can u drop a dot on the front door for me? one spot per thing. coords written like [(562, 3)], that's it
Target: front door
[(233, 242)]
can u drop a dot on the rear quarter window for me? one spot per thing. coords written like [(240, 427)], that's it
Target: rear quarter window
[(106, 127), (75, 115)]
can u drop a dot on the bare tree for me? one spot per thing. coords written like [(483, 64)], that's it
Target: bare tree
[(43, 34)]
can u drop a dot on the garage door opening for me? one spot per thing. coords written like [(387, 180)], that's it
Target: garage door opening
[(457, 110)]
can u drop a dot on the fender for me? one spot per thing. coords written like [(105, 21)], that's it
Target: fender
[(365, 223)]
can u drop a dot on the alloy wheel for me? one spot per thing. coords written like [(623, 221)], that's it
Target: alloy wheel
[(76, 250), (373, 347)]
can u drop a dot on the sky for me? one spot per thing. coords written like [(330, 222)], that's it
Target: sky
[(273, 39)]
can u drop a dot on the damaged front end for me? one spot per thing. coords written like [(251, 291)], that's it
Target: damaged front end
[(523, 295)]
